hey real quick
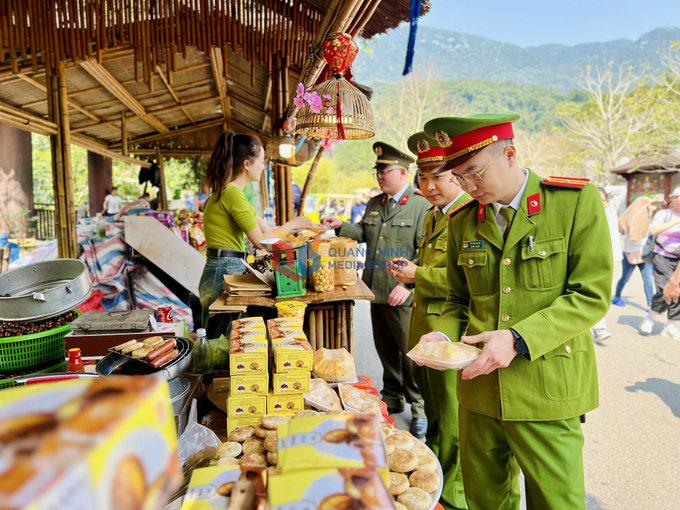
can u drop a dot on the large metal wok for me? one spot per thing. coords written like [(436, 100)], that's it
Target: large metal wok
[(43, 290), (116, 363)]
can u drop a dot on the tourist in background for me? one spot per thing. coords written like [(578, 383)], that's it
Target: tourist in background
[(357, 209), (112, 203)]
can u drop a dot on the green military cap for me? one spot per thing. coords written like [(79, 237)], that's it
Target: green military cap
[(459, 136), (388, 155)]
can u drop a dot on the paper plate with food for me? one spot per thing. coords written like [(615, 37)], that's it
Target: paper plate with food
[(444, 355)]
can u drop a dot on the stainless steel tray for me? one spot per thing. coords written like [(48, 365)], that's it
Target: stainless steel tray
[(43, 290)]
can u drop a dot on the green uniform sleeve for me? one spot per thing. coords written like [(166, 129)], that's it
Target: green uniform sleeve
[(355, 231), (585, 299), (431, 282), (453, 320)]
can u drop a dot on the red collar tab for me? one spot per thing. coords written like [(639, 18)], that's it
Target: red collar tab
[(456, 209), (481, 212), (566, 182), (418, 192), (534, 204), (382, 202), (403, 200)]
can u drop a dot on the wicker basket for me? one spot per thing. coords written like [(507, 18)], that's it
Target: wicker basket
[(60, 367)]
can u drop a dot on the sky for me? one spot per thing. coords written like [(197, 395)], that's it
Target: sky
[(537, 22)]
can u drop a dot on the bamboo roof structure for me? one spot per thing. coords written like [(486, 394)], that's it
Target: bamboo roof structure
[(169, 74)]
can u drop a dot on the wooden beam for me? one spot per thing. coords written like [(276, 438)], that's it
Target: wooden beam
[(106, 79), (172, 93), (163, 194), (220, 82), (26, 119), (70, 102), (102, 149), (123, 134), (174, 153), (180, 131)]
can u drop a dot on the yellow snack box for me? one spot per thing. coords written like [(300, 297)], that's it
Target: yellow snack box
[(249, 354), (248, 323), (210, 488), (292, 354), (329, 489), (249, 384), (244, 406), (95, 443), (283, 322), (347, 440), (292, 382), (285, 331), (285, 404), (246, 333), (241, 421)]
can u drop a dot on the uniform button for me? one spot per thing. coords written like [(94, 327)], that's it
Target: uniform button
[(568, 349), (429, 245), (507, 290), (471, 261), (542, 254), (424, 265), (505, 318), (381, 238), (384, 224), (402, 223), (507, 262), (415, 304)]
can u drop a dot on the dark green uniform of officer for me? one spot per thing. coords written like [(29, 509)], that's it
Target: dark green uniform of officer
[(540, 282), (391, 229), (431, 291)]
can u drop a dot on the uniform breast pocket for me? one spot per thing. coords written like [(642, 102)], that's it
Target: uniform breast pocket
[(403, 230), (370, 226), (440, 244), (476, 269), (566, 370), (545, 267)]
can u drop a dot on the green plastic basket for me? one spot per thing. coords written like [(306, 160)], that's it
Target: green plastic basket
[(58, 368), (27, 351)]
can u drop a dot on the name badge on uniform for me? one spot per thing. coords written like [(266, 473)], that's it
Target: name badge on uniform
[(473, 245), (424, 234), (374, 213)]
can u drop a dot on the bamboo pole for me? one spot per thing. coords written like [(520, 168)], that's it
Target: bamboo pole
[(319, 329), (123, 133), (327, 329), (163, 194), (290, 205), (308, 181), (312, 329), (343, 324)]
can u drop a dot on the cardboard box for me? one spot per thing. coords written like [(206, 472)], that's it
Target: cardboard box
[(285, 404), (237, 423), (242, 406), (248, 323), (250, 354), (283, 322), (293, 382), (209, 486), (249, 384), (292, 354), (98, 443)]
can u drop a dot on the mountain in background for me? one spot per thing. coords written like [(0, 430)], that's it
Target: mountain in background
[(458, 55)]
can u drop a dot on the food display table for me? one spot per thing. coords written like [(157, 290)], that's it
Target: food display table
[(329, 316)]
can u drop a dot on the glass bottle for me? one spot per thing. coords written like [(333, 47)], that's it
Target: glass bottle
[(203, 357), (75, 362), (101, 226)]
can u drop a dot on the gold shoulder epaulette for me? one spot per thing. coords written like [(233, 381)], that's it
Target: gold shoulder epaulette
[(566, 182), (456, 209)]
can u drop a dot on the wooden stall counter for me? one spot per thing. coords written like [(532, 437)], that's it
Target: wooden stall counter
[(329, 317)]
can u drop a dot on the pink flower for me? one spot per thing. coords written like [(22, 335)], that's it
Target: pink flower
[(300, 90), (315, 103), (330, 111), (327, 97), (306, 96), (299, 102)]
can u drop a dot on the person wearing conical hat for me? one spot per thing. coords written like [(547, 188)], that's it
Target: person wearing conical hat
[(529, 271), (391, 227), (437, 387)]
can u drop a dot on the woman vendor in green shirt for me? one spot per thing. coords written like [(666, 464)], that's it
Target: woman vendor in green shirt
[(228, 217)]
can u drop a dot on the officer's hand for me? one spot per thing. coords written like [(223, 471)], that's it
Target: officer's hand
[(398, 296), (671, 292), (331, 221), (431, 338), (499, 350), (404, 271)]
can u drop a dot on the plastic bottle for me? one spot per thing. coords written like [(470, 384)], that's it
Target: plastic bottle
[(75, 362), (203, 357), (101, 226)]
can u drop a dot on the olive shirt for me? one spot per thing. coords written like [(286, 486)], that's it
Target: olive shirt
[(550, 295), (227, 219), (389, 232)]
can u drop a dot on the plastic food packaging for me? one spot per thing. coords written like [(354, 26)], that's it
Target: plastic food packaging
[(324, 277), (444, 355), (334, 365), (195, 437), (322, 397), (359, 401), (292, 310)]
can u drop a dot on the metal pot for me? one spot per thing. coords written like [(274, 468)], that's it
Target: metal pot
[(43, 290)]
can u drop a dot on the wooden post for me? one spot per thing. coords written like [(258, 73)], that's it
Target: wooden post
[(4, 266), (162, 193), (312, 328), (290, 205), (308, 181), (123, 133), (62, 172), (343, 324), (319, 329), (350, 324)]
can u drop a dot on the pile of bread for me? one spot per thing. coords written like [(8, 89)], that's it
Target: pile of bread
[(333, 365), (414, 476)]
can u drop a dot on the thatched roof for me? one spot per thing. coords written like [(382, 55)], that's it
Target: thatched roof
[(649, 164)]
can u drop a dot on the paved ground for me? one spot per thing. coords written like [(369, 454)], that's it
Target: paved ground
[(632, 451)]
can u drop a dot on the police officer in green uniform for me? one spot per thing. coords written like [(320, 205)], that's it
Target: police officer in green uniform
[(529, 270), (431, 290), (391, 228)]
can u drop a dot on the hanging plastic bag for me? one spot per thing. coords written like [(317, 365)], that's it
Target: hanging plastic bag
[(195, 437)]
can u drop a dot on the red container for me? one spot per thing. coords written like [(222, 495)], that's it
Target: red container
[(364, 382), (164, 314), (389, 419), (373, 391), (383, 408)]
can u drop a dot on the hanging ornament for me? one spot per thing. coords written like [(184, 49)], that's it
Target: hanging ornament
[(340, 50)]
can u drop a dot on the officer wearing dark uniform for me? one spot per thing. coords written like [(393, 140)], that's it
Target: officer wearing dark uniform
[(391, 228)]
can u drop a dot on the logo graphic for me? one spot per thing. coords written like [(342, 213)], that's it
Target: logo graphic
[(295, 263)]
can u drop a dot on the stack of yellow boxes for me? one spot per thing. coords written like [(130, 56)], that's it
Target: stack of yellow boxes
[(291, 366), (249, 367)]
